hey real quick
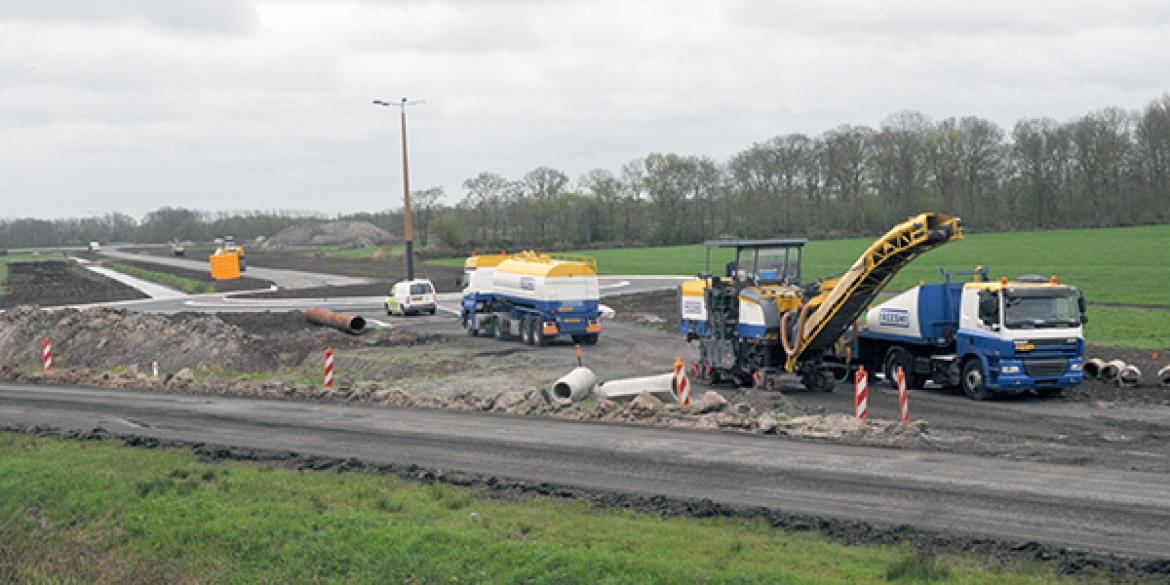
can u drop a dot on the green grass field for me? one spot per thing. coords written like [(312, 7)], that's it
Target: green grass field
[(12, 259), (99, 512), (187, 285)]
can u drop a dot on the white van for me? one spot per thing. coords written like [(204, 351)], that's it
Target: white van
[(411, 296)]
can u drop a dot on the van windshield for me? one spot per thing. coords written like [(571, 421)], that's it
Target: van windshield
[(421, 288)]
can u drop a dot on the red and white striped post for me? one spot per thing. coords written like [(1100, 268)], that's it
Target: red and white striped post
[(328, 367), (903, 397), (861, 394), (47, 354), (682, 384)]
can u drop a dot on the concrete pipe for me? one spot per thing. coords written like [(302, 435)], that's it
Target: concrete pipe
[(1129, 377), (342, 321), (1164, 376), (575, 386), (635, 386), (1093, 368), (1112, 370)]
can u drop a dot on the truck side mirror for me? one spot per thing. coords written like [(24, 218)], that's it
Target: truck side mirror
[(1084, 318)]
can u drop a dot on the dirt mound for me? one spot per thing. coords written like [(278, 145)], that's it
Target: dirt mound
[(105, 337), (334, 233)]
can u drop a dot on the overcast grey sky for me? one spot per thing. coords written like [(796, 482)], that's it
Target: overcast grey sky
[(129, 105)]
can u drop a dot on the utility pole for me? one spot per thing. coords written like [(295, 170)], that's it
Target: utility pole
[(408, 231)]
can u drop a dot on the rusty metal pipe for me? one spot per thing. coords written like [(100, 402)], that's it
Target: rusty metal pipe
[(345, 322)]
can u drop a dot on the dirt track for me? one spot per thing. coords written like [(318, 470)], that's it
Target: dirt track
[(59, 282)]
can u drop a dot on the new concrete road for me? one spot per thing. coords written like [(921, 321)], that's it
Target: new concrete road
[(290, 279), (1119, 512)]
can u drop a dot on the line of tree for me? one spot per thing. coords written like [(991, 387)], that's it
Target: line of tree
[(1110, 167)]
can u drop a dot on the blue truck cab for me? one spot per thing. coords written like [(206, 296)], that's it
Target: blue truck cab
[(984, 336)]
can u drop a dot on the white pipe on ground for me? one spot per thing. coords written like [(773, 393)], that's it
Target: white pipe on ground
[(635, 386), (1129, 377), (1164, 376), (1093, 368), (576, 385), (1112, 370)]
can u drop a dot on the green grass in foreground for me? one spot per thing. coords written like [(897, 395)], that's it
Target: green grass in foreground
[(96, 511), (13, 259), (1112, 265), (187, 285)]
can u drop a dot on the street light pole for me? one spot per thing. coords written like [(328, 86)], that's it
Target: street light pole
[(408, 230)]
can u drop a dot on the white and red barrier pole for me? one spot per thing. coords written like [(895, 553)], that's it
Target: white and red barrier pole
[(328, 367), (154, 369), (861, 394), (682, 384), (47, 354), (903, 397)]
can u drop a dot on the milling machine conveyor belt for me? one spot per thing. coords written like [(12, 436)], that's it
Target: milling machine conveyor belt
[(866, 278)]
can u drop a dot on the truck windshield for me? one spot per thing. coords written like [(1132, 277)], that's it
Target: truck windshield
[(1033, 311)]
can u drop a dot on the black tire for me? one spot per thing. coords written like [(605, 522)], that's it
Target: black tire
[(591, 339), (498, 330), (432, 311), (1049, 392), (818, 380), (577, 339), (898, 356), (469, 325), (388, 311), (538, 338), (974, 386)]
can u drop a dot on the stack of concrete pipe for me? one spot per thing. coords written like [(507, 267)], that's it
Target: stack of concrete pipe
[(1118, 372), (1164, 376), (581, 382)]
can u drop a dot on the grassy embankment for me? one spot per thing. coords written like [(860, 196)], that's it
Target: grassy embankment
[(14, 258), (97, 511), (182, 283), (1114, 266)]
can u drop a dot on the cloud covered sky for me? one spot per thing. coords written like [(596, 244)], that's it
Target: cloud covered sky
[(129, 105)]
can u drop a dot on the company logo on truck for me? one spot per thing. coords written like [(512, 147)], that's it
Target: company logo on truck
[(894, 318), (527, 283), (693, 307)]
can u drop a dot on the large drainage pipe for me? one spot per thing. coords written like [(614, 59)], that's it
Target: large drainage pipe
[(1093, 368), (1164, 376), (575, 386), (1112, 370), (635, 386), (345, 322), (1129, 377)]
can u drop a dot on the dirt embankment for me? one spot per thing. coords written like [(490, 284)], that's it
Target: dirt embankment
[(57, 282), (655, 309)]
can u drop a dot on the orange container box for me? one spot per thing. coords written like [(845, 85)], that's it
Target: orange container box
[(225, 266)]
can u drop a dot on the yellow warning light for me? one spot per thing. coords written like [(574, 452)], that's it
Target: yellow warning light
[(1053, 280)]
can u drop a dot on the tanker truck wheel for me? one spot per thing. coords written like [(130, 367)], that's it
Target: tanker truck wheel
[(498, 329), (898, 356), (538, 338), (469, 324), (526, 331), (974, 386), (590, 339)]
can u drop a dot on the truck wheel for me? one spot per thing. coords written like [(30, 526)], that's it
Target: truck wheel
[(1049, 392), (898, 356), (469, 325), (538, 338), (432, 311), (590, 339), (498, 329), (974, 386)]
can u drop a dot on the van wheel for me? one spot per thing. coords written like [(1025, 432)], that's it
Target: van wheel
[(974, 385)]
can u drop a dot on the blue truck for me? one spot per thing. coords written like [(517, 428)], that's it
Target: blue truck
[(985, 336)]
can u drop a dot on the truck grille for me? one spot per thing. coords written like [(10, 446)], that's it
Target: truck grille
[(1045, 368)]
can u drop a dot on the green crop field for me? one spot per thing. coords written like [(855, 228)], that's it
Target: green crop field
[(81, 512)]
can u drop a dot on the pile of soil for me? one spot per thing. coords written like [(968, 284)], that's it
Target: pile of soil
[(335, 233), (242, 283), (56, 282)]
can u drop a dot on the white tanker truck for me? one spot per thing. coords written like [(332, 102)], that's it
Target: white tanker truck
[(536, 297)]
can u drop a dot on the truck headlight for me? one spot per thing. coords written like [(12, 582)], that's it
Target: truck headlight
[(1075, 367), (1010, 369)]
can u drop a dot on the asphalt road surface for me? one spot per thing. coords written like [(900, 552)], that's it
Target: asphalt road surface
[(291, 279), (1119, 512)]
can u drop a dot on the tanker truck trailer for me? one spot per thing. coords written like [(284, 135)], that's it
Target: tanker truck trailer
[(533, 297)]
